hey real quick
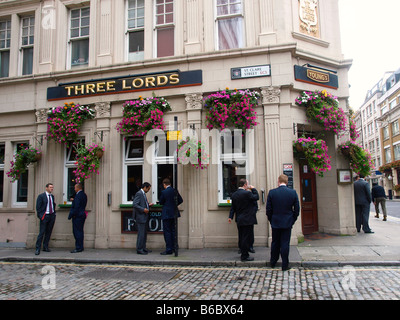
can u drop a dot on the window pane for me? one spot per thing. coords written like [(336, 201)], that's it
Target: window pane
[(136, 41), (230, 33), (70, 184), (80, 52), (232, 173), (4, 63), (22, 187), (27, 64), (164, 171), (1, 184), (2, 153), (134, 148), (165, 42), (134, 181)]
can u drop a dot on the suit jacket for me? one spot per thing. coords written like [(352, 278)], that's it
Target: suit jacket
[(243, 206), (167, 199), (283, 207), (41, 205), (139, 204), (362, 194), (78, 206)]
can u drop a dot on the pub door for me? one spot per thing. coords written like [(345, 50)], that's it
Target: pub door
[(308, 199)]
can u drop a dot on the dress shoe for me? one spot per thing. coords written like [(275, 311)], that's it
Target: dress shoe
[(377, 216), (37, 252), (164, 253), (76, 251), (369, 231), (147, 250), (384, 218), (46, 250), (286, 269), (141, 252), (247, 259), (252, 250), (272, 264)]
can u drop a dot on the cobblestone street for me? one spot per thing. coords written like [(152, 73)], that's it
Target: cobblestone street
[(39, 281)]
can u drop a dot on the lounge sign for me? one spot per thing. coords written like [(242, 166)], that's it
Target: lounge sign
[(131, 83), (316, 76)]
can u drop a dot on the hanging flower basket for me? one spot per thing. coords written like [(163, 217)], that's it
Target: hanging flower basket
[(64, 122), (87, 161), (323, 108), (142, 115), (234, 108), (315, 152), (22, 159), (193, 151), (360, 159), (397, 188)]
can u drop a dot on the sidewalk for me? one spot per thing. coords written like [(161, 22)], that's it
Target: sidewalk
[(321, 250)]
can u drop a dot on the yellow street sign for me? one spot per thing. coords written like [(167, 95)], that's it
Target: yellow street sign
[(174, 135)]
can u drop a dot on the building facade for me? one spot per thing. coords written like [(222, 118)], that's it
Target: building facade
[(102, 53), (389, 105)]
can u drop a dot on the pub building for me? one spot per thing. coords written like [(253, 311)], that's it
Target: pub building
[(102, 53)]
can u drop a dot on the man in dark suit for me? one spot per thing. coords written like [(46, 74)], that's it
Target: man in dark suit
[(78, 216), (46, 212), (362, 199), (141, 211), (170, 199), (243, 206), (282, 210)]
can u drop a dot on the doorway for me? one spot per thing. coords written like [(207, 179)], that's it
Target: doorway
[(308, 200)]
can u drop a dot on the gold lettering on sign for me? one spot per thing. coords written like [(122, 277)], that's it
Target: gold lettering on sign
[(308, 15), (317, 76)]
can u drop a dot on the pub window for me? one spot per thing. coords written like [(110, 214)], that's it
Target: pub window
[(79, 37), (233, 163), (395, 127), (165, 27), (229, 24), (386, 133), (388, 155), (2, 154), (135, 30), (27, 41), (70, 166), (20, 187), (396, 151), (163, 167), (5, 40), (133, 168)]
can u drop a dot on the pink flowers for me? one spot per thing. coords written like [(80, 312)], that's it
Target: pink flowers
[(190, 151), (63, 122), (323, 108), (231, 108), (359, 158), (23, 158), (88, 161), (142, 115), (316, 153)]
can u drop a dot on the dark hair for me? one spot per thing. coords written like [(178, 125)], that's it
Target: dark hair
[(146, 185), (242, 182), (167, 182), (361, 176), (49, 184)]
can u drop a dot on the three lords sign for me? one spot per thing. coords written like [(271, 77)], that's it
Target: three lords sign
[(131, 83)]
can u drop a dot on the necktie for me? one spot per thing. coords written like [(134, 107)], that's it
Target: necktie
[(50, 205)]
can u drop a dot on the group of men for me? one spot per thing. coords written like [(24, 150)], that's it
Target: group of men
[(282, 211), (46, 212)]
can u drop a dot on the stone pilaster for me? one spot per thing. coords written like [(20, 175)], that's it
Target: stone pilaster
[(194, 177), (102, 209)]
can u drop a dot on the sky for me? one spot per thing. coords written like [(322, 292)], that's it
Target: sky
[(370, 37)]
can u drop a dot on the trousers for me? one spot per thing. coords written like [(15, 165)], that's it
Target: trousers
[(77, 229), (45, 229), (280, 245), (362, 217)]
